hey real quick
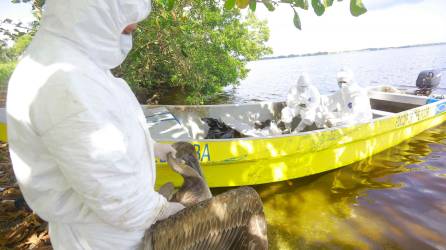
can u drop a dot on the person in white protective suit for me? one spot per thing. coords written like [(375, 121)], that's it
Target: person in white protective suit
[(79, 145), (304, 101), (350, 104)]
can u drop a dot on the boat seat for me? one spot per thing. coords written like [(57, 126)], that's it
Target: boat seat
[(380, 113), (164, 125), (397, 97)]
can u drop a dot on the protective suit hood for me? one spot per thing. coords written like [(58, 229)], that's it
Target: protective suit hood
[(344, 76), (303, 81), (350, 104), (94, 26)]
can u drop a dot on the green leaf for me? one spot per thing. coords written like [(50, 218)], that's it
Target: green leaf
[(357, 8), (253, 5), (303, 4), (170, 4), (269, 5), (318, 8), (296, 20), (328, 3), (229, 4), (242, 3)]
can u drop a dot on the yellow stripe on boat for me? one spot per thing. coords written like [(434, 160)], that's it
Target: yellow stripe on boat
[(3, 132)]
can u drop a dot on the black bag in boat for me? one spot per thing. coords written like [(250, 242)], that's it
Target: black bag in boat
[(219, 130)]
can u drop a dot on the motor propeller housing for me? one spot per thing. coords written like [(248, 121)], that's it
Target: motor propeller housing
[(428, 80)]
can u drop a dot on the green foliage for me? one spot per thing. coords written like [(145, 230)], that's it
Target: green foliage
[(253, 5), (20, 45), (303, 4), (318, 7), (197, 48), (357, 8), (242, 3), (8, 57), (229, 4), (269, 5), (328, 3), (296, 20), (6, 70)]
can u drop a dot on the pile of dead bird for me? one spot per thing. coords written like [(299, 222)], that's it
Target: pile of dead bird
[(20, 228)]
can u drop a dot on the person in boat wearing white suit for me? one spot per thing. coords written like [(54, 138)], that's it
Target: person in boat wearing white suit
[(350, 104), (80, 148), (304, 101)]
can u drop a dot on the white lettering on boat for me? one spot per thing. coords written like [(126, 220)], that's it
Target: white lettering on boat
[(413, 116)]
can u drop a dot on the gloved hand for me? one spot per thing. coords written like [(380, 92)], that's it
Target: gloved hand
[(301, 126), (171, 209), (329, 123), (162, 150)]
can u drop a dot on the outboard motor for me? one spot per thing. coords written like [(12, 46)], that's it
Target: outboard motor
[(427, 81)]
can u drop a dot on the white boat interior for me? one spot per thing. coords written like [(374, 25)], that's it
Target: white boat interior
[(175, 123)]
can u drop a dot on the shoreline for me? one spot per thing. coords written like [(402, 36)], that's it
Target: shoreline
[(323, 53)]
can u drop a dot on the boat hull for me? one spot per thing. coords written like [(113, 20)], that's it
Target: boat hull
[(251, 161)]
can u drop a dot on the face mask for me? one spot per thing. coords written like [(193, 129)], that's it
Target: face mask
[(343, 84), (126, 43), (340, 84)]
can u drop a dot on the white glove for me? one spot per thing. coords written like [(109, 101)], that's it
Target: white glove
[(300, 127), (162, 150), (171, 209)]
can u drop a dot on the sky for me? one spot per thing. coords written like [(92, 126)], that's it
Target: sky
[(15, 11), (388, 23)]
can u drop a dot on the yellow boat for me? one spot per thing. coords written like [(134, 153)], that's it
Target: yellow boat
[(258, 160)]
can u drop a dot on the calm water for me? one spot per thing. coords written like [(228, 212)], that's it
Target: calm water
[(271, 79), (395, 200)]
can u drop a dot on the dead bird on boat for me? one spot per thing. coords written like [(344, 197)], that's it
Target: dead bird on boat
[(231, 220), (220, 130)]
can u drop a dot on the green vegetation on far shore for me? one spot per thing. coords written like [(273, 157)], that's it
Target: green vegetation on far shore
[(349, 51)]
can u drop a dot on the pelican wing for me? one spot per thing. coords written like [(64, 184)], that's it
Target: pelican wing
[(231, 220)]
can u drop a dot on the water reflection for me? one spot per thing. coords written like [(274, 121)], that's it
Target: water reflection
[(394, 200)]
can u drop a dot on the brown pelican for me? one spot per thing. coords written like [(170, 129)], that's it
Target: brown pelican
[(231, 220), (194, 188)]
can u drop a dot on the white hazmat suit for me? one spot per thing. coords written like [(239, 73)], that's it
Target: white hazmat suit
[(79, 144), (303, 100), (350, 104)]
